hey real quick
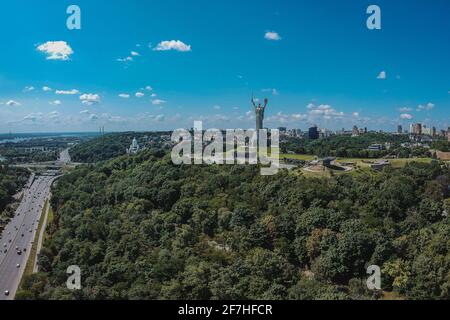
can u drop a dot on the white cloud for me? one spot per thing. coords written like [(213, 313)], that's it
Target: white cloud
[(355, 114), (33, 117), (93, 117), (148, 88), (271, 90), (428, 106), (382, 75), (217, 107), (406, 116), (12, 103), (67, 92), (124, 95), (46, 89), (135, 54), (56, 102), (158, 102), (53, 114), (127, 59), (90, 99), (153, 95), (272, 35), (323, 110), (139, 94), (56, 50), (173, 45), (28, 89), (405, 109), (84, 112)]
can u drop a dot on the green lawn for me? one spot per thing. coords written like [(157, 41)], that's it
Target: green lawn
[(306, 157), (362, 165)]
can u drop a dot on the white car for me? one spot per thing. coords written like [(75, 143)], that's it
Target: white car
[(17, 265), (6, 293)]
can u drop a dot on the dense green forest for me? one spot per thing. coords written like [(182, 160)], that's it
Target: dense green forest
[(14, 155), (110, 146), (356, 147), (142, 228), (11, 180)]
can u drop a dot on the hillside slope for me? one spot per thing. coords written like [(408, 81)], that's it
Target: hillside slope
[(141, 228)]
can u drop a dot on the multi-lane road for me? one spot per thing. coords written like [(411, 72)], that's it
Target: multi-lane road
[(17, 238), (64, 157)]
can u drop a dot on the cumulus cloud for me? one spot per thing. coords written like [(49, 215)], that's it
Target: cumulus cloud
[(135, 54), (158, 102), (176, 45), (89, 99), (405, 109), (124, 95), (355, 114), (56, 50), (323, 110), (56, 102), (148, 88), (406, 116), (127, 59), (28, 89), (67, 92), (283, 118), (33, 117), (12, 103), (84, 112), (382, 75), (272, 36), (139, 94), (53, 115), (93, 117), (46, 89), (428, 106), (271, 90)]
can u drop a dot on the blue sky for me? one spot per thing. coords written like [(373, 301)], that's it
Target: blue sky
[(316, 61)]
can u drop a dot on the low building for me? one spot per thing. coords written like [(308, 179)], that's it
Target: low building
[(375, 147), (380, 165)]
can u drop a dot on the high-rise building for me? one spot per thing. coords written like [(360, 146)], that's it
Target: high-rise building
[(416, 128), (282, 130), (399, 129), (313, 133), (426, 131)]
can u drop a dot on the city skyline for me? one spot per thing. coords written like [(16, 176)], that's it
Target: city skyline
[(160, 66)]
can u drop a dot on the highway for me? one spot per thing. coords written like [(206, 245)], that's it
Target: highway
[(17, 237), (64, 157)]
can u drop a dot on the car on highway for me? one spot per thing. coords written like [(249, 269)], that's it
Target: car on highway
[(6, 293), (17, 265)]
